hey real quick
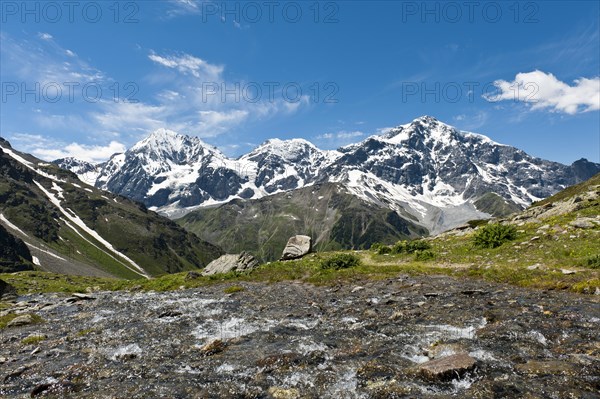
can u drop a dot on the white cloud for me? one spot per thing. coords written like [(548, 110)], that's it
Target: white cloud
[(544, 91), (189, 64), (187, 3), (89, 153), (213, 123), (349, 135), (44, 61), (183, 7), (130, 116), (342, 134), (173, 100), (45, 36), (49, 149), (472, 121)]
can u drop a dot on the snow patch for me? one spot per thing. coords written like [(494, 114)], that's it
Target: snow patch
[(12, 226), (77, 221)]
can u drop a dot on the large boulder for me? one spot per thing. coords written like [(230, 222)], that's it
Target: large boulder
[(7, 291), (229, 263), (448, 367), (296, 247)]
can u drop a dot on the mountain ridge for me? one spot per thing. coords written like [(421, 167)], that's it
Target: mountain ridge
[(73, 228), (426, 168)]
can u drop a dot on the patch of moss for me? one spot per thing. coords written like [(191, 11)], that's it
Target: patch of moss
[(33, 339), (4, 320), (233, 289)]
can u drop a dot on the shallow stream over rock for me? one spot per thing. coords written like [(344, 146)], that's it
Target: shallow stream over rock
[(380, 339)]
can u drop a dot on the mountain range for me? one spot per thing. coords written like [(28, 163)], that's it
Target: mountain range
[(426, 168), (52, 220)]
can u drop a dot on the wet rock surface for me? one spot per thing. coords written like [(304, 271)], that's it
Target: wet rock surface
[(293, 340)]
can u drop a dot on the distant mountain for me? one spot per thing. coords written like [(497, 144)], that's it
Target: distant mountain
[(329, 213), (445, 177), (170, 172), (427, 170), (86, 172), (72, 228)]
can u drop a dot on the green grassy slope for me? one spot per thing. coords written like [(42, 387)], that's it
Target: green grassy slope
[(549, 252), (333, 218), (155, 243)]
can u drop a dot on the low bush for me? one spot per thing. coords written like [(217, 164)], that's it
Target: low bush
[(494, 235), (376, 246), (424, 255), (593, 262), (417, 245), (410, 247), (340, 261), (399, 247), (384, 249)]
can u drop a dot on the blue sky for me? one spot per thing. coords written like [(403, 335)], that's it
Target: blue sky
[(92, 78)]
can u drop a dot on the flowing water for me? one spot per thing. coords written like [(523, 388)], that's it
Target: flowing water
[(292, 340)]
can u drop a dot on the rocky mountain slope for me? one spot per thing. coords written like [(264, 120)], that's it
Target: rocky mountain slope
[(329, 213), (73, 228), (14, 254), (430, 170)]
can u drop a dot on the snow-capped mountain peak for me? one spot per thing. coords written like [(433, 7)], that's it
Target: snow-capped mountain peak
[(87, 172), (172, 145), (292, 149), (439, 175)]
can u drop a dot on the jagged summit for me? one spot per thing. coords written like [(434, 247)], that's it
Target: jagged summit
[(172, 145)]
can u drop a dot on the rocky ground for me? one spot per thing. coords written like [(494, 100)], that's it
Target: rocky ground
[(413, 337)]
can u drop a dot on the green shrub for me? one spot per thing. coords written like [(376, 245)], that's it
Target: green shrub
[(410, 247), (399, 247), (423, 255), (340, 261), (384, 249), (417, 245), (493, 235), (376, 246), (593, 262)]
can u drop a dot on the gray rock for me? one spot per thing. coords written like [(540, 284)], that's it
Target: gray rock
[(296, 247), (448, 367), (228, 263), (192, 275), (21, 321), (583, 223), (7, 291)]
